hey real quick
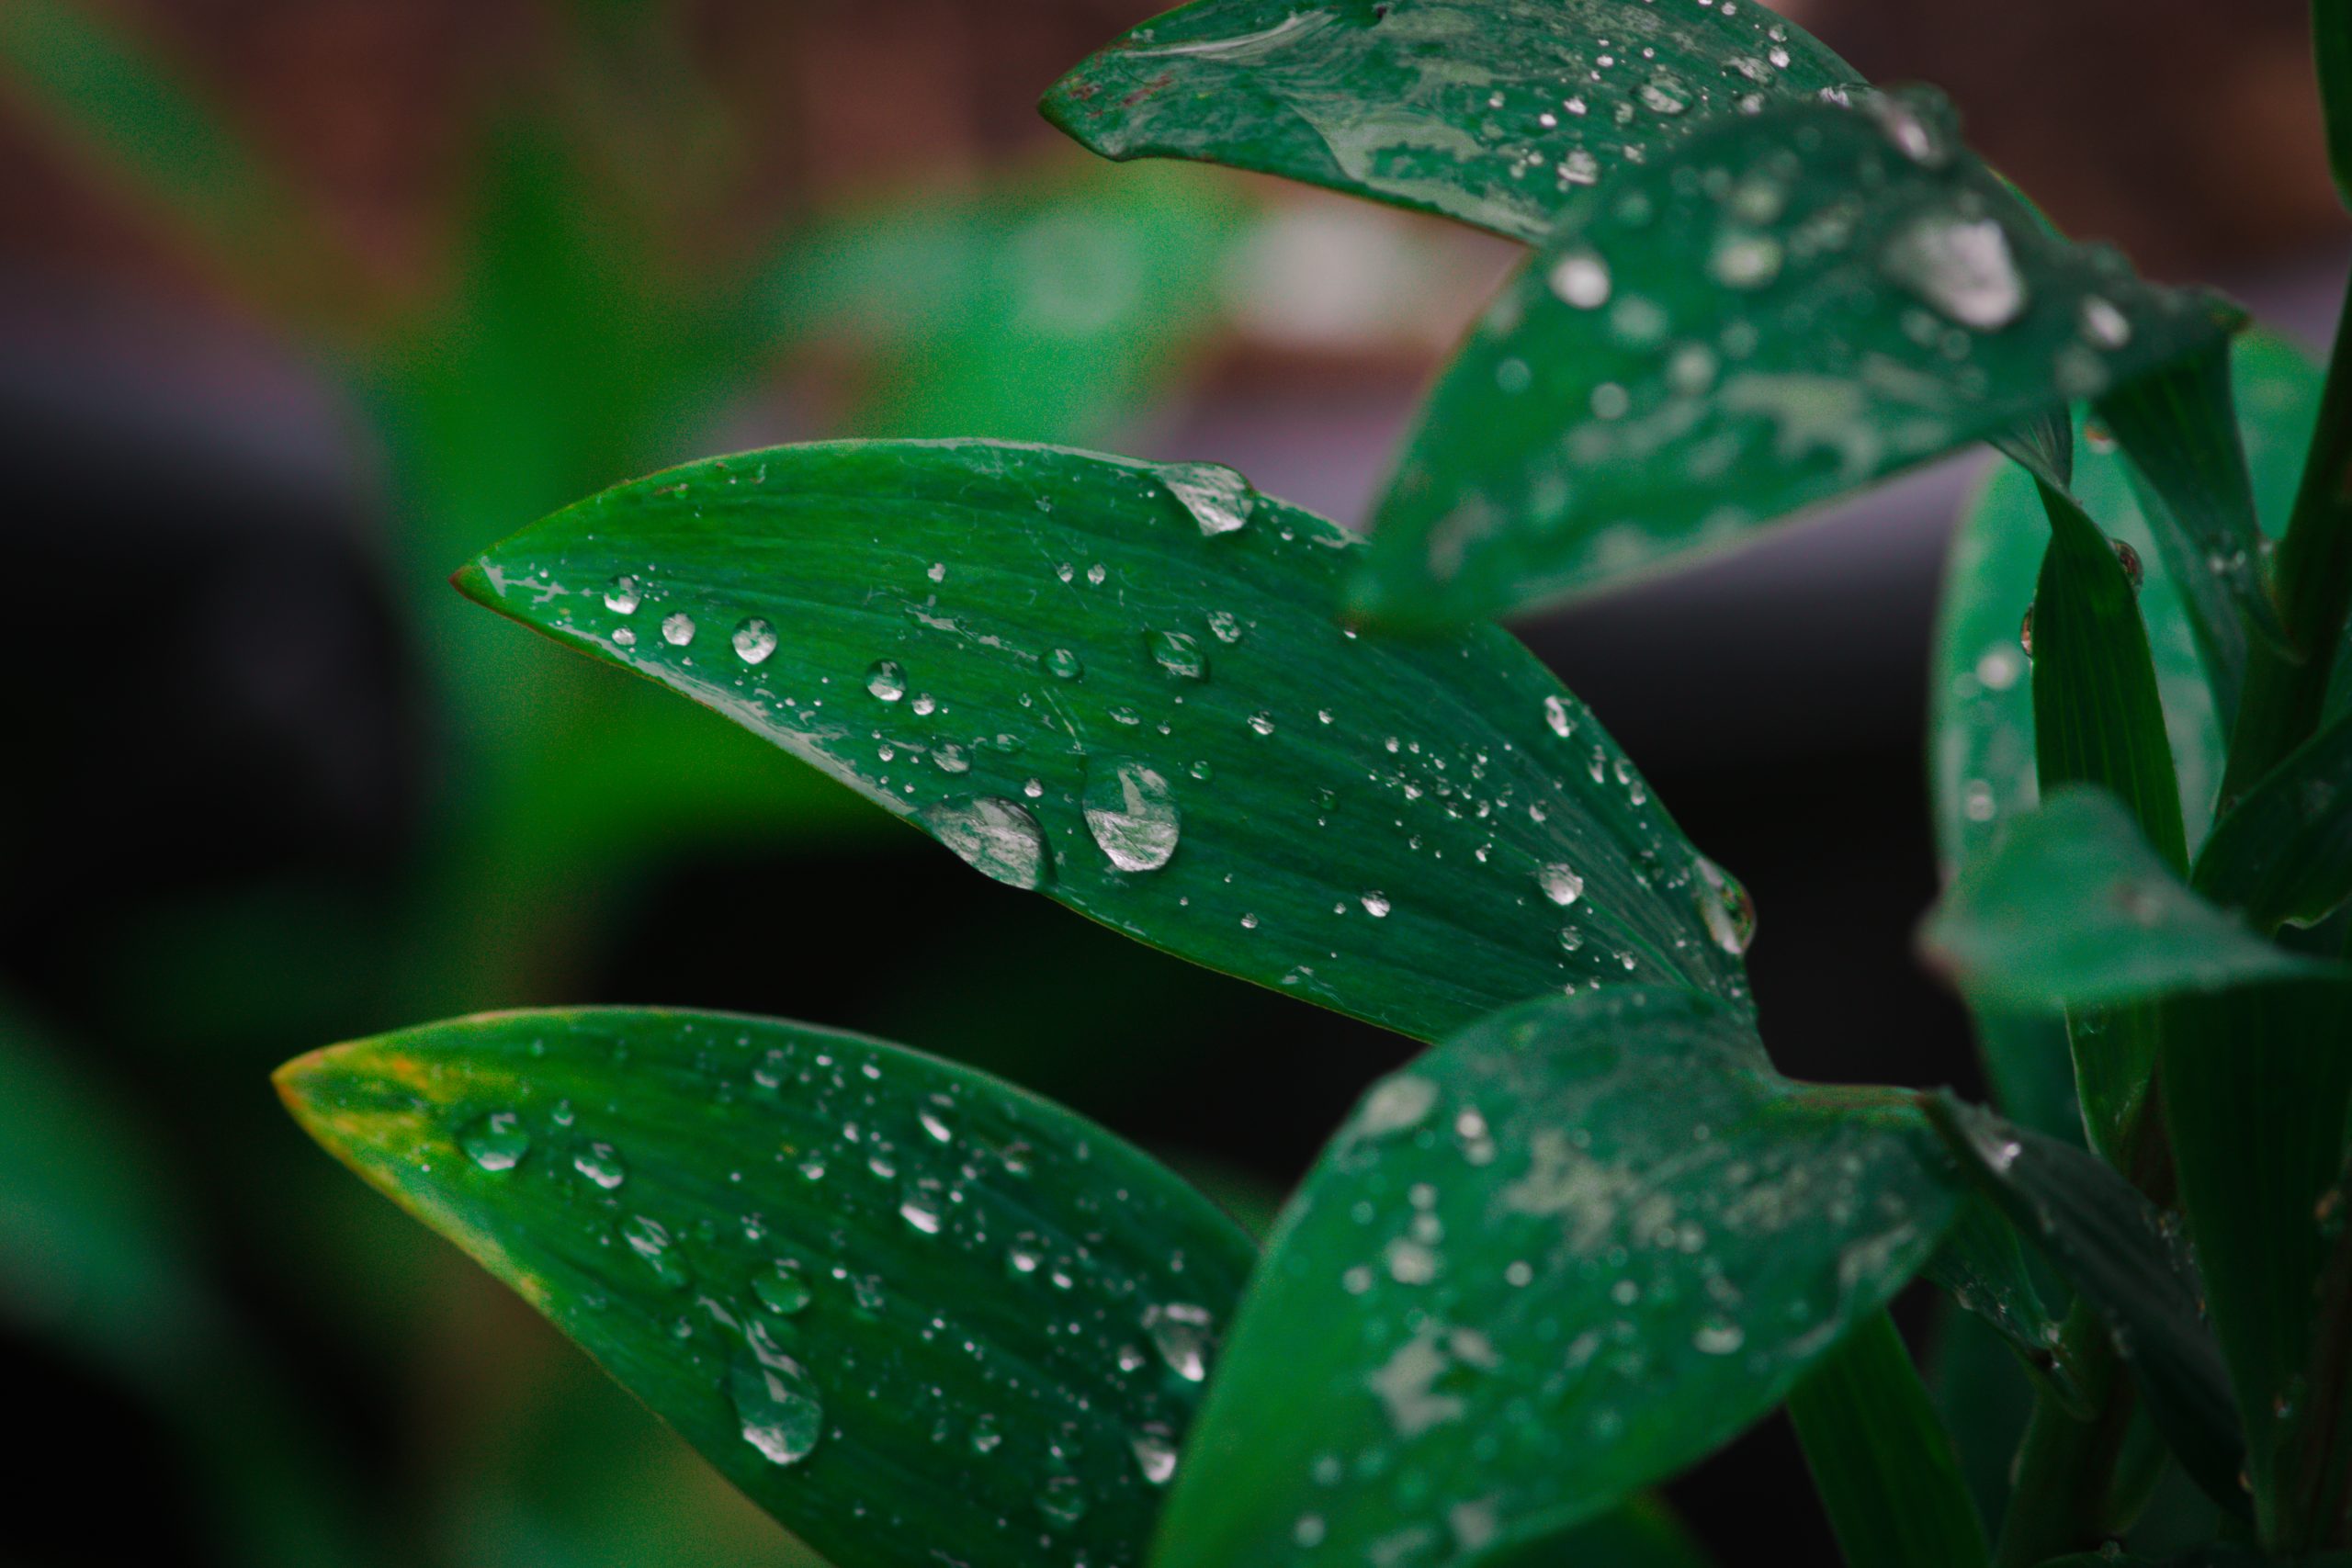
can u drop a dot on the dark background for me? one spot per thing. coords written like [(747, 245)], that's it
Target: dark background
[(269, 786)]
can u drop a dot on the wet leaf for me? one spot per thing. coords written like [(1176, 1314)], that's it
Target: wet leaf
[(1882, 1462), (1123, 685), (840, 1268), (1557, 1258), (1982, 1265), (2070, 909), (2178, 425), (1777, 311), (2115, 1249), (1494, 114), (2256, 1082), (2284, 852)]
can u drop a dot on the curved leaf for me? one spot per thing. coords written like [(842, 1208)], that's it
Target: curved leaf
[(2117, 1251), (2284, 852), (2070, 909), (840, 1269), (1123, 685), (1556, 1259), (1776, 311), (1982, 1265), (1494, 114)]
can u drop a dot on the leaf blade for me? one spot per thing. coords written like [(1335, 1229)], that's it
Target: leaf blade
[(1386, 1342), (1398, 102), (1619, 408), (2284, 852), (584, 1156), (1292, 804)]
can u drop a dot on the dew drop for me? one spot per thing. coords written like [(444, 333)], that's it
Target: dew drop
[(755, 639), (600, 1164), (781, 1289), (1219, 499), (678, 628), (1726, 908), (775, 1402), (1556, 716), (623, 596), (885, 680), (1581, 278), (1154, 1453), (497, 1142), (1131, 811), (994, 836), (1177, 654), (1064, 665), (1960, 265), (1560, 883), (1376, 904), (1743, 258), (2103, 324), (1180, 1332)]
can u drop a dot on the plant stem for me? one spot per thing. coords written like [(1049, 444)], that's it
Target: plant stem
[(2286, 690), (2065, 1464)]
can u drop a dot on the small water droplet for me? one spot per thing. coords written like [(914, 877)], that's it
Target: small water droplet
[(1219, 499), (1725, 907), (1960, 265), (1560, 883), (994, 836), (1376, 904), (885, 680), (623, 596), (600, 1164), (1743, 258), (781, 1289), (775, 1402), (1177, 654), (677, 628), (1263, 723), (1064, 665), (1180, 1332), (755, 639), (2103, 324), (1579, 277), (1556, 716), (1155, 1450)]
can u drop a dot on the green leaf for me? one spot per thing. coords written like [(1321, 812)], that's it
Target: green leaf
[(1493, 114), (2203, 1557), (2070, 909), (1981, 719), (2112, 1246), (1557, 1259), (1881, 1459), (1061, 664), (1982, 1265), (2255, 1084), (2178, 426), (1775, 312), (840, 1268), (2332, 52), (2284, 852), (2096, 716)]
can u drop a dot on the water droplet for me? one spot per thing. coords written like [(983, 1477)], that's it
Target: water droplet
[(1581, 278), (647, 1238), (1064, 665), (1718, 1337), (600, 1164), (885, 680), (623, 596), (1224, 625), (1177, 654), (781, 1289), (1062, 1500), (994, 836), (1743, 258), (1154, 1453), (678, 628), (1556, 716), (1131, 811), (777, 1405), (755, 639), (950, 758), (2129, 558), (1263, 723), (1560, 883), (497, 1142), (1661, 97), (1726, 908), (985, 1435), (1960, 265), (1180, 1332), (1376, 904), (919, 1205), (2025, 632), (2103, 324), (1219, 499), (625, 637)]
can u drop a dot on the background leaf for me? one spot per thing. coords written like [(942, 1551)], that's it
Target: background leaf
[(2284, 852), (1881, 1459), (838, 1268), (2072, 909), (1557, 1258), (2111, 1246), (1982, 1265), (1777, 310), (1491, 114), (1123, 685)]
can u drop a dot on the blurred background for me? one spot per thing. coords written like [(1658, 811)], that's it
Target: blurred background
[(303, 301)]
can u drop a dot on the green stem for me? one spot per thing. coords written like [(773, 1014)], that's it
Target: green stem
[(2066, 1466), (2286, 692)]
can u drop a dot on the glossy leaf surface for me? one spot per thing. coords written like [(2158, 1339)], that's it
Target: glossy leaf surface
[(2072, 909), (1557, 1259), (1881, 1459), (2256, 1079), (1124, 685), (2111, 1246), (1494, 114), (840, 1269), (1777, 311), (2284, 852), (2178, 429), (1983, 1268)]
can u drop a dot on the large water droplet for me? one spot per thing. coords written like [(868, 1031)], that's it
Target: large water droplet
[(994, 836), (1960, 265), (755, 639), (778, 1405), (1556, 716), (648, 1240), (1180, 1332), (1154, 1448), (1131, 811), (1726, 908), (1742, 258), (1581, 278), (1064, 665), (497, 1142), (600, 1164), (678, 628), (1219, 499), (623, 596), (885, 680), (1560, 883)]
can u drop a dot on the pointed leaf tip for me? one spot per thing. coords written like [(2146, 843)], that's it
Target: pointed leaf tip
[(473, 581)]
